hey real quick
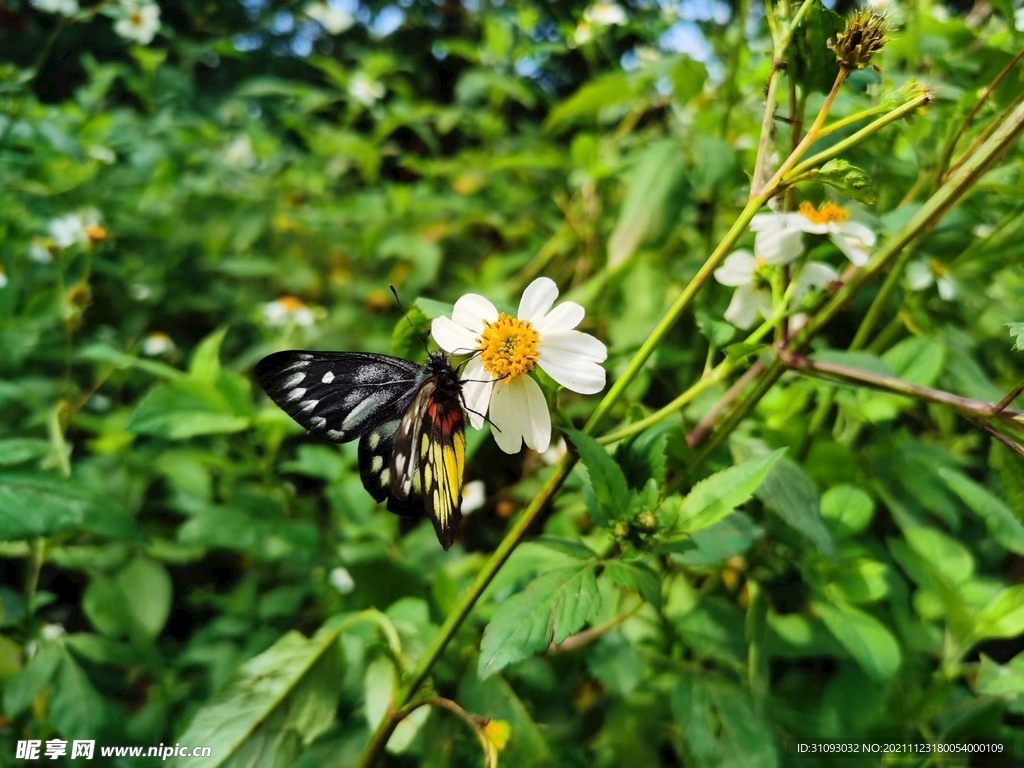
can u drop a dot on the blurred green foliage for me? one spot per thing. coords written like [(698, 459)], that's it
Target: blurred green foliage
[(181, 564)]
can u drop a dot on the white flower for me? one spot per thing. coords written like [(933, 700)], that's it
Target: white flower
[(584, 31), (285, 310), (922, 274), (334, 20), (474, 496), (506, 349), (157, 343), (68, 230), (63, 7), (605, 14), (52, 631), (365, 90), (39, 252), (341, 580), (138, 21), (3, 278), (239, 153), (853, 238), (775, 246)]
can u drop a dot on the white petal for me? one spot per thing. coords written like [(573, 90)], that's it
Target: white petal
[(564, 317), (778, 246), (947, 288), (518, 409), (737, 269), (452, 337), (742, 309), (858, 231), (813, 276), (579, 369), (765, 222), (507, 417), (477, 386), (854, 250), (537, 299), (574, 343), (472, 311), (918, 276)]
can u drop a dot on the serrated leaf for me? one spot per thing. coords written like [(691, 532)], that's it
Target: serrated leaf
[(999, 519), (184, 409), (40, 504), (293, 685), (614, 499), (1017, 331), (847, 179), (205, 366), (555, 605), (864, 637), (636, 577), (715, 497)]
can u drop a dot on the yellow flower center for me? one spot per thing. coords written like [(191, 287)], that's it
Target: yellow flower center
[(759, 263), (829, 213), (508, 347), (937, 267), (290, 303)]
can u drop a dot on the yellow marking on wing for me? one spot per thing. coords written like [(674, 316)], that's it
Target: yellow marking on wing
[(424, 445)]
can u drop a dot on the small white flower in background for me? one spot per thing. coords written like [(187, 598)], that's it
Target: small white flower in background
[(922, 274), (102, 154), (52, 632), (474, 495), (3, 278), (239, 153), (853, 238), (774, 245), (605, 14), (81, 228), (584, 32), (157, 343), (137, 20), (285, 310), (100, 403), (63, 7), (140, 291), (554, 454), (505, 349), (341, 580), (365, 90), (39, 250), (333, 19)]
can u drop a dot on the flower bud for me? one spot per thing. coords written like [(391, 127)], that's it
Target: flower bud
[(865, 35)]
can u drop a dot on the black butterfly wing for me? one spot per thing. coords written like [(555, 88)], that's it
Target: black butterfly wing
[(339, 395), (427, 461)]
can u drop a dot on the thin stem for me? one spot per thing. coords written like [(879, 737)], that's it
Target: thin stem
[(1005, 402)]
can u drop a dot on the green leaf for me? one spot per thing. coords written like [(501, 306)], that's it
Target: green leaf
[(864, 637), (600, 93), (39, 504), (715, 545), (999, 519), (1003, 617), (135, 602), (847, 510), (918, 360), (21, 449), (812, 64), (789, 493), (1017, 331), (185, 409), (101, 353), (205, 366), (555, 605), (21, 689), (714, 497), (635, 576), (77, 708), (688, 78), (847, 179), (1001, 679), (378, 693), (614, 499), (292, 687), (654, 185)]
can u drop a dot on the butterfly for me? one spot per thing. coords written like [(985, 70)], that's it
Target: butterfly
[(408, 418)]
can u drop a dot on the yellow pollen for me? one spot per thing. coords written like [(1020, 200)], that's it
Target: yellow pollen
[(829, 213), (937, 267), (759, 262), (290, 303), (508, 347)]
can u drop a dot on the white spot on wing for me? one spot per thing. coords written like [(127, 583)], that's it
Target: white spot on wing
[(328, 378), (385, 477), (308, 405), (295, 394), (377, 464), (318, 422), (356, 415), (374, 441), (335, 434), (400, 460), (292, 380)]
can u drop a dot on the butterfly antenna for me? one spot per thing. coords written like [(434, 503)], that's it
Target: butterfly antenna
[(420, 336)]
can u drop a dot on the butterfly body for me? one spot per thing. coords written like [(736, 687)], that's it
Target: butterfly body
[(408, 419)]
